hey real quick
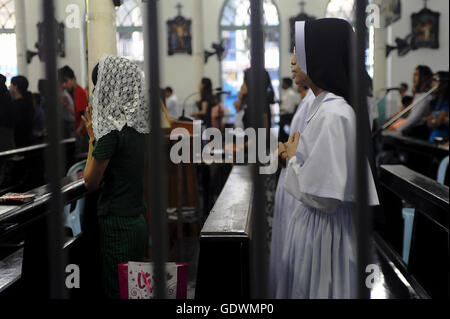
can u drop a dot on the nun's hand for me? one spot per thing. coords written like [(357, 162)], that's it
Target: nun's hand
[(292, 144), (282, 150)]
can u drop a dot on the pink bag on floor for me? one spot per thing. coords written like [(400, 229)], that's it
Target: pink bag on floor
[(136, 280)]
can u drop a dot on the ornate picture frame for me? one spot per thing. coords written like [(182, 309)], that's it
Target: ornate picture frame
[(179, 39), (425, 29)]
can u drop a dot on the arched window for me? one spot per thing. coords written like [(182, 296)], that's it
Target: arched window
[(8, 58), (130, 37), (345, 9), (234, 30)]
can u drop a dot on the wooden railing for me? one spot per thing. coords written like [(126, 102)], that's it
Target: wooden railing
[(223, 267), (22, 169), (23, 242), (427, 268)]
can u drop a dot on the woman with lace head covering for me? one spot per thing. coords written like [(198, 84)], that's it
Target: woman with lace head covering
[(118, 124)]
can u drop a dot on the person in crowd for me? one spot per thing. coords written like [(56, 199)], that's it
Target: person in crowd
[(285, 204), (38, 120), (437, 121), (269, 100), (22, 110), (42, 83), (68, 112), (172, 103), (403, 89), (118, 128), (79, 96), (6, 117), (239, 106), (207, 101), (319, 254), (397, 99), (288, 104), (414, 123), (371, 104)]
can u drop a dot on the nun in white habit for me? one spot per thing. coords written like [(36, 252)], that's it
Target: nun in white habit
[(284, 203), (319, 255)]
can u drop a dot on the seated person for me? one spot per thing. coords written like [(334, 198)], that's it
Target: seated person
[(438, 120), (422, 83)]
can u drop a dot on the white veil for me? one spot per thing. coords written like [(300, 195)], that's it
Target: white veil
[(119, 97)]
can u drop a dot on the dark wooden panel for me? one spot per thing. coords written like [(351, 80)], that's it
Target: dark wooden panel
[(223, 269), (428, 257)]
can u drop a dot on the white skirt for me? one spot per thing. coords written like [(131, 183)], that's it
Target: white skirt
[(284, 209), (319, 258)]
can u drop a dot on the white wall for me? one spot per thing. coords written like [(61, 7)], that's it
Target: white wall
[(74, 40), (175, 69), (401, 69)]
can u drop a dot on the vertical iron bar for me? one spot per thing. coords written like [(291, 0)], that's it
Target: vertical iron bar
[(359, 95), (157, 213), (257, 99), (54, 159)]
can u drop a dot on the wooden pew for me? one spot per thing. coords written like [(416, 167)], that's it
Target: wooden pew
[(223, 267), (24, 168), (422, 156), (23, 243), (427, 269)]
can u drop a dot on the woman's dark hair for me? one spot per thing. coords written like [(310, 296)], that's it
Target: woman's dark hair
[(442, 91), (66, 72), (270, 92), (3, 88), (5, 100), (207, 91), (425, 76), (95, 74), (288, 82), (21, 83)]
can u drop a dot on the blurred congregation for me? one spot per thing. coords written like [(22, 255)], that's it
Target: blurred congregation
[(81, 144), (24, 113)]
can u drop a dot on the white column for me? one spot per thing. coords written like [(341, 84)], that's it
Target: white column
[(380, 66), (21, 38), (101, 32), (198, 46)]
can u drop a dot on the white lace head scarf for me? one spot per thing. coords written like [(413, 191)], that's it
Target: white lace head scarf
[(119, 97)]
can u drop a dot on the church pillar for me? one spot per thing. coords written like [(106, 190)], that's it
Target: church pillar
[(380, 65), (198, 46), (101, 31), (21, 37)]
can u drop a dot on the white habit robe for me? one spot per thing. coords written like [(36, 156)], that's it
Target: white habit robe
[(284, 204), (319, 256)]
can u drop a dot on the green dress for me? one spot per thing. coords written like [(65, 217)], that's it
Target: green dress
[(121, 205)]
